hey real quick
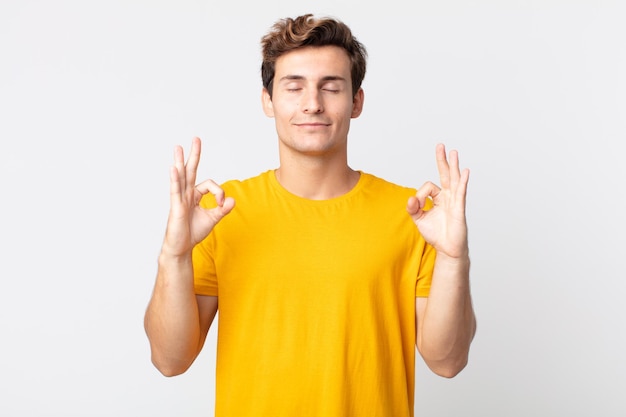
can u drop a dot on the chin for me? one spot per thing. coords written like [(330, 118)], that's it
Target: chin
[(310, 146)]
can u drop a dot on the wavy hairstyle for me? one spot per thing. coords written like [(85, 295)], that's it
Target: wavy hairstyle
[(288, 34)]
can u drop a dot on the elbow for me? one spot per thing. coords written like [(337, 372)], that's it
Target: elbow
[(450, 368), (170, 368), (170, 372), (448, 361), (446, 364)]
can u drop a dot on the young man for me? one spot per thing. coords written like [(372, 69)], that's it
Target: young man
[(326, 278)]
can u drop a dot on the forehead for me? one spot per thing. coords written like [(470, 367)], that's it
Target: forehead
[(314, 62)]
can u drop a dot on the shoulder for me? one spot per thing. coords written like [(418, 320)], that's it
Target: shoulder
[(256, 183), (375, 184), (238, 189)]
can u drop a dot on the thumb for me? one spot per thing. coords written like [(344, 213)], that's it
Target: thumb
[(218, 212), (227, 206)]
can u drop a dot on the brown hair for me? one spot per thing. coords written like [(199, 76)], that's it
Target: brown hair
[(289, 34)]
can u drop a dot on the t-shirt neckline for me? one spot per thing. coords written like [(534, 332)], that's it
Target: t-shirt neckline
[(288, 194)]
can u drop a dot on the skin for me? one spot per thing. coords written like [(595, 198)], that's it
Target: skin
[(176, 320), (312, 105), (446, 323)]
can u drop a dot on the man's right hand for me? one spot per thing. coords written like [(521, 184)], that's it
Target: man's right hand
[(188, 223)]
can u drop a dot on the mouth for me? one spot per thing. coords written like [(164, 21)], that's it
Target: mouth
[(312, 124)]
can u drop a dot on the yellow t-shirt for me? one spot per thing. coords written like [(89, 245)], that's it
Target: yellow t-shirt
[(316, 300)]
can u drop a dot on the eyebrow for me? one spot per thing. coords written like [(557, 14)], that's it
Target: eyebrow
[(301, 77)]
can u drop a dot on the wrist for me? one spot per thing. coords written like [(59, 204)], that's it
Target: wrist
[(167, 257), (460, 261)]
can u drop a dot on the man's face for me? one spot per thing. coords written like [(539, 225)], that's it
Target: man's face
[(312, 101)]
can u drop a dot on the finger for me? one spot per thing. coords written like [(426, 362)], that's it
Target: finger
[(415, 208), (461, 190), (179, 165), (175, 196), (428, 189), (413, 205), (425, 194), (209, 186), (442, 165), (224, 204), (191, 167), (454, 171), (228, 205)]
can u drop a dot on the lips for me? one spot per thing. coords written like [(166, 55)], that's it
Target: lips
[(312, 124)]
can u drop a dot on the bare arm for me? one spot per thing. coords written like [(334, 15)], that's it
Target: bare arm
[(176, 320), (446, 323), (445, 320)]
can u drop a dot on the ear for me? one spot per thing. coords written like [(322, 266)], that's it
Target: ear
[(357, 103), (266, 101)]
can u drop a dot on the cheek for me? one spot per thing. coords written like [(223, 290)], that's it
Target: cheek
[(344, 114), (285, 108)]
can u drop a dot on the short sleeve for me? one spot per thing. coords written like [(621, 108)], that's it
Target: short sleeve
[(204, 271), (425, 273)]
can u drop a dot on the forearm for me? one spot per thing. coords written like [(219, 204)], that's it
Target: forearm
[(448, 324), (172, 319)]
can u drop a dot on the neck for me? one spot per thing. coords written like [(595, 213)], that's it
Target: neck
[(316, 178)]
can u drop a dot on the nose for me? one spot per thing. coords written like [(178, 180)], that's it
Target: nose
[(312, 102)]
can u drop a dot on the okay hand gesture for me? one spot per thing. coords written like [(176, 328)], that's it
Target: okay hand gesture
[(443, 225), (188, 223)]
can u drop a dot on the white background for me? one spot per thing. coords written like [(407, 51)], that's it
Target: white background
[(94, 95)]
